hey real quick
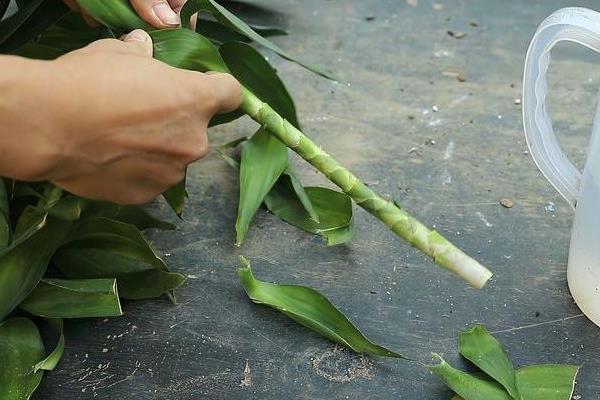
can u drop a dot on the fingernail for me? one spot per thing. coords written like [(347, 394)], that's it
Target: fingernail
[(136, 36), (167, 16)]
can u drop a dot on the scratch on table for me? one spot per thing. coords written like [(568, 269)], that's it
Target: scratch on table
[(538, 324)]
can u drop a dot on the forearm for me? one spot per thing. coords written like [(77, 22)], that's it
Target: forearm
[(28, 119)]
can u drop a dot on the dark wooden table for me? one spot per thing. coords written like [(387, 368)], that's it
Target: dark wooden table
[(449, 167)]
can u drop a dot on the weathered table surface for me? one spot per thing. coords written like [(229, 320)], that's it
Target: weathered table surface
[(469, 154)]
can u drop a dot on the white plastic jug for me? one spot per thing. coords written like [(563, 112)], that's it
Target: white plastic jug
[(581, 190)]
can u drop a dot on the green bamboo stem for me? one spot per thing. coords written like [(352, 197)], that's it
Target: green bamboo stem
[(395, 218)]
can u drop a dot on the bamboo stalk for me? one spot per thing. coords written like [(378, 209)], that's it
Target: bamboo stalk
[(430, 242)]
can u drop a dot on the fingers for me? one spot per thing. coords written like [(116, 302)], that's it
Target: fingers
[(158, 13), (140, 42), (135, 42), (132, 180), (223, 89)]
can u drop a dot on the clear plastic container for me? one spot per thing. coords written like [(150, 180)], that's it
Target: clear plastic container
[(580, 189)]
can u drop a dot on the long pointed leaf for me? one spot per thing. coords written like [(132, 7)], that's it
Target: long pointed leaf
[(52, 359), (20, 348), (483, 350), (264, 158), (44, 16), (311, 309), (11, 24), (468, 386), (83, 298), (547, 382), (115, 237), (226, 18), (333, 208), (23, 266)]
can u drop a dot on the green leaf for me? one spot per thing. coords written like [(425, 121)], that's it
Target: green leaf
[(22, 267), (44, 16), (3, 7), (257, 75), (129, 214), (264, 158), (148, 284), (547, 382), (229, 20), (175, 197), (469, 387), (311, 309), (103, 248), (183, 48), (21, 347), (303, 197), (116, 14), (11, 24), (82, 298), (483, 350), (222, 34), (333, 208), (5, 232), (218, 32), (115, 237), (52, 359)]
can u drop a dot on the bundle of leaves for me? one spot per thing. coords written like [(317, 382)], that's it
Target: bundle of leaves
[(497, 378)]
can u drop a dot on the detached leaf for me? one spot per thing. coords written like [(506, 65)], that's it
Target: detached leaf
[(334, 210), (21, 347), (83, 298), (129, 214), (51, 361), (311, 309), (264, 158), (148, 284), (547, 382), (103, 248), (117, 238), (468, 386), (536, 382), (22, 267), (226, 18), (483, 350)]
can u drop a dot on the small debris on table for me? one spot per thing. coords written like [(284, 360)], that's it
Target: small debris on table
[(438, 6), (454, 74), (517, 101), (474, 23), (507, 203), (456, 34), (370, 18)]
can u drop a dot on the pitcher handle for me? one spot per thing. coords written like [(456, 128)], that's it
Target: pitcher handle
[(573, 24)]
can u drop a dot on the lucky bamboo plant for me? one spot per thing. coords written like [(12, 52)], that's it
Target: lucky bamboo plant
[(185, 48), (62, 256)]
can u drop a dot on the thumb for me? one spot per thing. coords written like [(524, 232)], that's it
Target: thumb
[(139, 41), (225, 89)]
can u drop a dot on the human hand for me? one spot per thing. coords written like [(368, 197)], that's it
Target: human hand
[(158, 13), (123, 126)]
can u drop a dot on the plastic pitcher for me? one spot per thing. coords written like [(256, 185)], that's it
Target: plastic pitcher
[(580, 189)]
